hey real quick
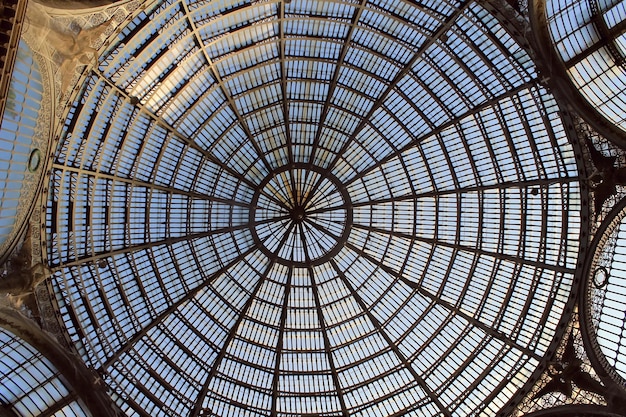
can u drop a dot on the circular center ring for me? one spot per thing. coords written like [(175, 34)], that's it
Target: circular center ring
[(298, 214), (301, 215)]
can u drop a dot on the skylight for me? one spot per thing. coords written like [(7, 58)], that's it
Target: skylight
[(313, 208)]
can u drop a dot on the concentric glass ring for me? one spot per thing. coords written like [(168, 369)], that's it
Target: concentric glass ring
[(302, 215)]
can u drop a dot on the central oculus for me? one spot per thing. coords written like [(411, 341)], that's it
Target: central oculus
[(301, 215), (298, 213)]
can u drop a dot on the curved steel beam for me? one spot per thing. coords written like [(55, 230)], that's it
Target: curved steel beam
[(85, 383)]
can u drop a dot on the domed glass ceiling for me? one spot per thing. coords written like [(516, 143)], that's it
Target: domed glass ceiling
[(313, 208)]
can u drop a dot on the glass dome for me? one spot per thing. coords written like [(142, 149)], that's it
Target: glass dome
[(604, 303), (31, 384), (313, 208), (19, 155), (590, 39)]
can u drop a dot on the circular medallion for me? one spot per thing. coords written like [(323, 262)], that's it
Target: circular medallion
[(34, 160)]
